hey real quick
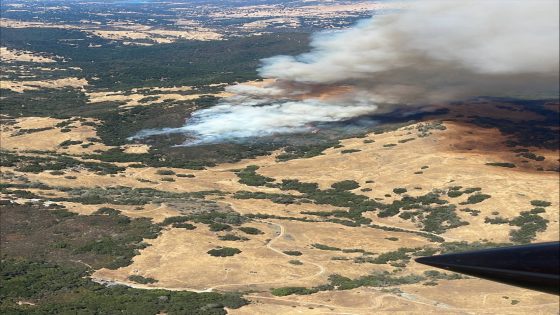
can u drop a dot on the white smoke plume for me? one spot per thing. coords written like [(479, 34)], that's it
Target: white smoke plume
[(429, 52)]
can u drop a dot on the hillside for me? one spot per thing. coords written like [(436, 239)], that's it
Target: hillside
[(336, 231), (315, 170)]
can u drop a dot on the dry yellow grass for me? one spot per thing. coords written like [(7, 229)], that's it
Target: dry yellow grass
[(126, 31), (261, 264), (156, 212), (135, 148), (392, 167), (471, 296), (132, 32), (140, 99), (387, 167), (265, 206), (13, 139), (485, 297), (9, 23), (10, 55), (325, 10), (450, 164), (178, 256), (22, 86), (456, 156)]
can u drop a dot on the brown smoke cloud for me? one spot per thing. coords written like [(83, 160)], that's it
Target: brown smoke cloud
[(432, 51)]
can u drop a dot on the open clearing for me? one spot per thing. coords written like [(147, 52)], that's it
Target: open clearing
[(49, 134), (456, 155)]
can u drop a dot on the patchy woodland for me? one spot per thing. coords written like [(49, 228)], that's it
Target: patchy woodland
[(322, 222), (335, 231)]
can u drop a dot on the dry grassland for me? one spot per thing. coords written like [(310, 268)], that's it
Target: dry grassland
[(450, 163), (22, 86), (10, 55), (126, 32), (140, 99), (49, 139), (471, 296), (456, 156), (178, 257)]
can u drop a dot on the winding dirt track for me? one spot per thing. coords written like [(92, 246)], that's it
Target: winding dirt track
[(446, 238), (322, 269), (376, 303), (269, 245)]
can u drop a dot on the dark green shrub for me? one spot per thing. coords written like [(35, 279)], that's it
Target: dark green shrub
[(346, 185), (140, 279), (347, 151), (107, 211), (529, 224), (472, 212), (325, 247), (496, 220), (249, 177), (430, 283), (185, 175), (186, 226), (165, 172), (441, 218), (224, 252), (540, 203), (59, 289), (477, 198), (250, 230), (454, 193), (217, 227), (406, 215), (388, 212), (69, 143), (471, 190), (400, 254), (378, 279), (537, 210), (232, 237), (291, 290), (176, 219), (294, 184), (501, 164), (405, 140), (532, 156)]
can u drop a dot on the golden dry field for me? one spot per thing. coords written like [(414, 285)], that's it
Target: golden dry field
[(272, 157), (450, 156)]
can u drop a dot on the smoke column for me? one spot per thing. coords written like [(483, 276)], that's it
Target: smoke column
[(430, 52)]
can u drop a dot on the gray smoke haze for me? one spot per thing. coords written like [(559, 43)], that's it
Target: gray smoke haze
[(430, 52)]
